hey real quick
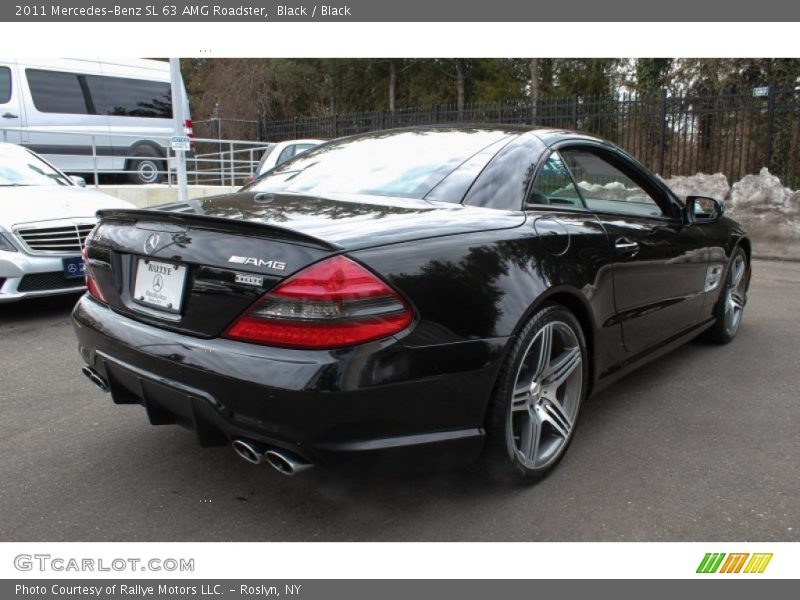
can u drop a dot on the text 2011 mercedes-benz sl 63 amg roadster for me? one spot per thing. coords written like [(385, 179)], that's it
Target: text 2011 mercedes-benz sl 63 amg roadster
[(424, 294)]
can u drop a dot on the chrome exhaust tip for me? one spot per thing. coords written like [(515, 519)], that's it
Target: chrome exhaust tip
[(95, 378), (249, 451), (286, 463)]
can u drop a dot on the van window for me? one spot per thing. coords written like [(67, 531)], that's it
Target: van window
[(56, 92), (5, 85), (123, 97), (78, 94)]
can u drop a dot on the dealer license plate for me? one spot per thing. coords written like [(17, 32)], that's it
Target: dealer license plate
[(159, 284)]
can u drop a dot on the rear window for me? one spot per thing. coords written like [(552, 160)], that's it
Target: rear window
[(123, 97), (5, 85), (406, 163)]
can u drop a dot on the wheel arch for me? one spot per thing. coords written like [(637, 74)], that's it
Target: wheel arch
[(745, 244), (571, 299), (135, 147)]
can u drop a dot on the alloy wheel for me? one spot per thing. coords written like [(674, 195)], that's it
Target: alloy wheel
[(546, 396), (735, 295)]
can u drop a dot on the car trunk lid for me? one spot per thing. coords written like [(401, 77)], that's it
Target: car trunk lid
[(197, 271)]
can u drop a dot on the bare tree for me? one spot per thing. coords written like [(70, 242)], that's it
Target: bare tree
[(534, 88), (461, 86), (392, 84)]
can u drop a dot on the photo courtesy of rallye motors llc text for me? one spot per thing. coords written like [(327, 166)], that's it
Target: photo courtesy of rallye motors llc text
[(144, 591)]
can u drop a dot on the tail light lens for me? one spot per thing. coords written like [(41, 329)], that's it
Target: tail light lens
[(331, 304), (91, 282)]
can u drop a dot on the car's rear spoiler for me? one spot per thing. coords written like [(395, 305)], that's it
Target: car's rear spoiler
[(179, 217)]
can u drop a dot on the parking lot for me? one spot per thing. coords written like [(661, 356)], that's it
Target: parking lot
[(703, 445)]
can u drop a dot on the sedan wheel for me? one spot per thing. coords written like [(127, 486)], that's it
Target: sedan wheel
[(544, 383)]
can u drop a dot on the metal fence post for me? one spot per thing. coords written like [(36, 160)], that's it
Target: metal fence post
[(94, 163), (770, 124), (575, 111), (662, 133), (169, 171), (233, 174)]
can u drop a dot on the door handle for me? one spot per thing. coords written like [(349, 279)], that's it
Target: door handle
[(8, 115), (626, 246)]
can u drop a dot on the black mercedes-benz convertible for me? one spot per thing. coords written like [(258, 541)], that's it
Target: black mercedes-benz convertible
[(423, 294)]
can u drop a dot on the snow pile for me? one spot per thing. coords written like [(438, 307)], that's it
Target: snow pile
[(713, 186), (614, 190), (769, 212)]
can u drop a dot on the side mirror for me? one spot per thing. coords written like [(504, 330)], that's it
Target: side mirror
[(702, 209), (79, 181)]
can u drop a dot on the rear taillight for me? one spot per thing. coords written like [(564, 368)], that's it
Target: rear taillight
[(331, 304), (91, 282)]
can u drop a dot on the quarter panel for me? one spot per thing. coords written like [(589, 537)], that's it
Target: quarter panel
[(486, 285)]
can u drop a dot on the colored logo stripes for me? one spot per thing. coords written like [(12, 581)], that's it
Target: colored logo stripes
[(735, 562)]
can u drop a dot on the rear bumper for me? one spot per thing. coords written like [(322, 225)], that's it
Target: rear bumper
[(377, 401)]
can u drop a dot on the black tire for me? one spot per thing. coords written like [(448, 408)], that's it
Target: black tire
[(501, 444), (148, 167), (723, 331)]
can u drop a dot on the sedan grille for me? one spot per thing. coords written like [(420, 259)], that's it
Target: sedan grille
[(65, 239)]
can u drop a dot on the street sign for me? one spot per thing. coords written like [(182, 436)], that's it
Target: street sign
[(760, 92), (181, 142)]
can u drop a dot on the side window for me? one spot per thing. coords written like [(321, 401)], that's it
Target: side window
[(123, 97), (554, 186), (605, 188), (287, 153), (56, 92), (5, 85)]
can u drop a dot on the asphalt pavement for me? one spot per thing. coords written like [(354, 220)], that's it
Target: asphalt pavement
[(703, 445)]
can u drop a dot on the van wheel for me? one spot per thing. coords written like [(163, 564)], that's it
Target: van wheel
[(147, 167)]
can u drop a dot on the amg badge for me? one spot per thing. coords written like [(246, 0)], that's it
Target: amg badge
[(258, 262)]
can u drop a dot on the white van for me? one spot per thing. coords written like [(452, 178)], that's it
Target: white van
[(124, 106)]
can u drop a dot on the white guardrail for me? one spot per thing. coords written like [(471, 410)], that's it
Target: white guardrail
[(210, 162)]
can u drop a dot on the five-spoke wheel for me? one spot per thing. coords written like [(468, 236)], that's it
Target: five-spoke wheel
[(544, 383), (732, 299)]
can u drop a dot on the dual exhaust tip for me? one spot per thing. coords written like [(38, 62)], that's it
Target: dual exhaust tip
[(282, 461), (95, 378), (253, 452)]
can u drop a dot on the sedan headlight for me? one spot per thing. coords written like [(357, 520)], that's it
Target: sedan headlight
[(5, 243)]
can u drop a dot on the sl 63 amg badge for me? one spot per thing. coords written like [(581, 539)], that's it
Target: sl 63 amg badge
[(258, 262)]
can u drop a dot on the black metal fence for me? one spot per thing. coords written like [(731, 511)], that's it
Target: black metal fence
[(732, 133)]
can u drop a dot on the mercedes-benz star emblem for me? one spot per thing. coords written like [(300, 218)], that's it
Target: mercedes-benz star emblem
[(151, 243), (158, 283)]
